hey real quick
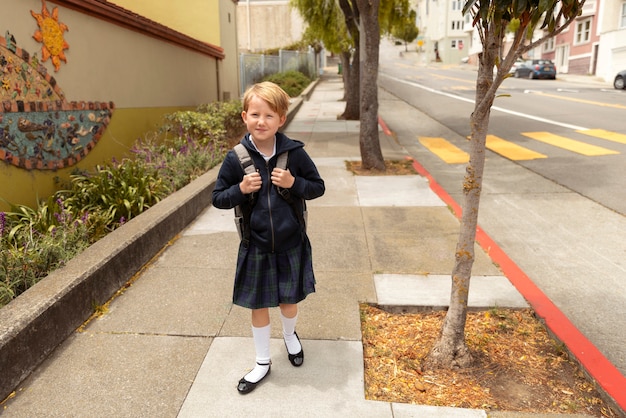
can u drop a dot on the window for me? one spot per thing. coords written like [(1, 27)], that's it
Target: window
[(622, 19), (457, 25), (456, 44), (583, 31), (549, 45)]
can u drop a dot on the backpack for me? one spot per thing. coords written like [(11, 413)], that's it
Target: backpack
[(243, 212)]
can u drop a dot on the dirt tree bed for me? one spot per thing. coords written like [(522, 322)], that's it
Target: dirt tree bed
[(517, 365)]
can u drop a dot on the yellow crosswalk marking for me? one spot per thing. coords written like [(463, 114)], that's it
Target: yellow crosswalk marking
[(601, 133), (445, 150), (569, 144), (511, 150)]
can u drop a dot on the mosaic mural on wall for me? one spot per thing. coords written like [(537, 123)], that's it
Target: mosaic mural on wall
[(39, 128)]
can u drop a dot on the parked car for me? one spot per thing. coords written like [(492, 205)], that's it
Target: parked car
[(518, 63), (618, 83), (536, 69)]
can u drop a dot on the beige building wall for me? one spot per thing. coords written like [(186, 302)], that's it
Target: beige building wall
[(266, 24), (229, 70), (211, 21)]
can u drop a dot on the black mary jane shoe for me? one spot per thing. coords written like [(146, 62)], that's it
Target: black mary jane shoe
[(246, 387), (296, 360)]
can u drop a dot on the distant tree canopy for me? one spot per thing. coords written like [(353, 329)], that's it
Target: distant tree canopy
[(406, 30)]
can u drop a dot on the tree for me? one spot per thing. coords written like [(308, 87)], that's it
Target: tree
[(492, 18), (369, 142), (363, 23), (336, 28), (406, 30)]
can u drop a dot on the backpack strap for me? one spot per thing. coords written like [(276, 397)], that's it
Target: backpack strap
[(244, 159), (281, 161), (243, 212)]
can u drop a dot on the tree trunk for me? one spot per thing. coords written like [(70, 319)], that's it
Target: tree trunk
[(450, 350), (371, 153), (351, 85)]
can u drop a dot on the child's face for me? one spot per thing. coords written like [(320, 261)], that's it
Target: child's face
[(262, 122)]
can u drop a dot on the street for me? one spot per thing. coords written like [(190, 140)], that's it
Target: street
[(568, 131)]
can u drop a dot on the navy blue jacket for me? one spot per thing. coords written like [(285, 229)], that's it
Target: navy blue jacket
[(274, 225)]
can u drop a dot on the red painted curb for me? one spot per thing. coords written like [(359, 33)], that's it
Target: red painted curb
[(384, 126), (592, 360)]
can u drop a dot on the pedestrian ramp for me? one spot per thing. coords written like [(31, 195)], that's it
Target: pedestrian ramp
[(452, 154)]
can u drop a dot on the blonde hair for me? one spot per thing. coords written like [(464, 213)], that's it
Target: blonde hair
[(276, 97)]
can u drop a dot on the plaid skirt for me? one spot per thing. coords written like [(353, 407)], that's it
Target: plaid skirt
[(265, 280)]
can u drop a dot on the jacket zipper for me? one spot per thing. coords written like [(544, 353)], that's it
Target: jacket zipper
[(269, 203)]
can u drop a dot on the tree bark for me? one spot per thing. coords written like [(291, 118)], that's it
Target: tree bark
[(450, 350), (351, 67), (351, 85), (369, 142)]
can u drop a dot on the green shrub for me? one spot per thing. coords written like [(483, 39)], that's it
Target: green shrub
[(293, 82), (33, 244), (208, 123), (180, 160), (119, 191)]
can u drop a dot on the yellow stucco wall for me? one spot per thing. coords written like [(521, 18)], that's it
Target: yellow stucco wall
[(196, 18), (143, 76)]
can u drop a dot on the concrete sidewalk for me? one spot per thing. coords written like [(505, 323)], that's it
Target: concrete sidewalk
[(173, 345)]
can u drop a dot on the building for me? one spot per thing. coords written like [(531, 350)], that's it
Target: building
[(267, 24), (611, 56), (442, 29), (575, 50)]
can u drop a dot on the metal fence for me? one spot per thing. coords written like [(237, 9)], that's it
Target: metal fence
[(254, 67)]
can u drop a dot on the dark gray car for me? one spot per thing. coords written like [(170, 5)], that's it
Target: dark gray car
[(536, 69), (618, 83)]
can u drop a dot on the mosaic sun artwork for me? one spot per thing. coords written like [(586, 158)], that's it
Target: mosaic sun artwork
[(50, 34)]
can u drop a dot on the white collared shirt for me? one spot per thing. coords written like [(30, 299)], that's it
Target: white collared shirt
[(267, 158)]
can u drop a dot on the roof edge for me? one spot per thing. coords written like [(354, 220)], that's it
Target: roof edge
[(113, 13)]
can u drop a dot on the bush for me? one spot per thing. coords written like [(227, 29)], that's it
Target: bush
[(293, 82), (33, 244), (208, 123)]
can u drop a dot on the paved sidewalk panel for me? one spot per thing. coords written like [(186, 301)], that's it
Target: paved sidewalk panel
[(329, 383)]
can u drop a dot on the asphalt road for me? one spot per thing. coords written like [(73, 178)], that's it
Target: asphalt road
[(553, 119)]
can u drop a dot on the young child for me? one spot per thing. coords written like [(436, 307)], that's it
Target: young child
[(274, 267)]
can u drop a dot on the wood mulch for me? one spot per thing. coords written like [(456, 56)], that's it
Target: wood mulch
[(517, 365)]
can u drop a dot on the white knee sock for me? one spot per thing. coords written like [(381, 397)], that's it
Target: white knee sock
[(289, 329), (262, 347)]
